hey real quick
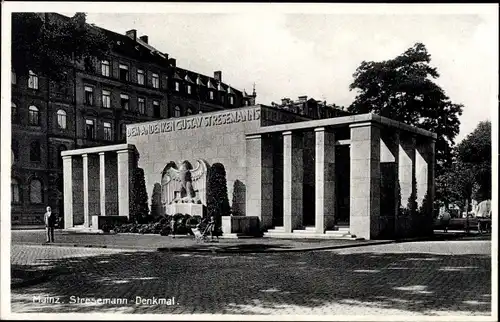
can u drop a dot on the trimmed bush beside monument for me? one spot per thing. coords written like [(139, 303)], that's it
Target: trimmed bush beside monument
[(217, 199)]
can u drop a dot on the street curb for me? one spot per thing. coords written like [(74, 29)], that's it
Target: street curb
[(276, 250), (85, 246), (212, 249), (215, 249)]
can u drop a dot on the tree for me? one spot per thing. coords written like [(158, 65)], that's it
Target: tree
[(217, 199), (456, 185), (139, 209), (403, 89), (475, 150), (47, 43)]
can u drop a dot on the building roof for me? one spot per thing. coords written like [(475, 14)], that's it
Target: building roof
[(141, 50)]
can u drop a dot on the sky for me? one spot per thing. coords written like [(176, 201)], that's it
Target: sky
[(316, 54)]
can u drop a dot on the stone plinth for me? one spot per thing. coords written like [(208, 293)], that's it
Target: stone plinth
[(191, 209), (240, 226)]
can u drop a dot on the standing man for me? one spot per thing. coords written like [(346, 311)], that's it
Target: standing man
[(50, 222), (445, 220)]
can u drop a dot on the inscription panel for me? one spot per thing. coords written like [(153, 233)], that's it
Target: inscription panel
[(195, 122)]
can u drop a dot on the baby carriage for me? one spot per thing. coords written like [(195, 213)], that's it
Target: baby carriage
[(201, 234)]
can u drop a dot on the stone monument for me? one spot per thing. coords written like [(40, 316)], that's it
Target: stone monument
[(183, 189)]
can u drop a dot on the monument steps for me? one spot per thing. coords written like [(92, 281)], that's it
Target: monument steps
[(309, 232)]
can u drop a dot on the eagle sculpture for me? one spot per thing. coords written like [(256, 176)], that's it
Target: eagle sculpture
[(184, 184)]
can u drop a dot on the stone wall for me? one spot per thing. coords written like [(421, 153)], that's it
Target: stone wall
[(214, 137)]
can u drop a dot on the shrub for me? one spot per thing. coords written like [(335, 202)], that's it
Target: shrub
[(139, 210), (217, 200)]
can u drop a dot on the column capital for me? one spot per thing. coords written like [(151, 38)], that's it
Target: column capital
[(287, 133), (102, 153), (123, 151), (365, 124), (85, 155), (253, 137), (67, 157), (319, 129)]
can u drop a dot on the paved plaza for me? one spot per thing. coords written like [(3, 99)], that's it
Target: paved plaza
[(414, 278)]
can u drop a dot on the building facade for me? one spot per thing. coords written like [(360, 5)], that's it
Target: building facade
[(92, 106)]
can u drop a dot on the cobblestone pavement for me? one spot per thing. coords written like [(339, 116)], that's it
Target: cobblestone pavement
[(419, 278)]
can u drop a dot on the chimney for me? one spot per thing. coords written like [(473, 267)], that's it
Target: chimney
[(302, 99), (144, 38), (172, 62), (285, 101), (132, 33), (218, 75)]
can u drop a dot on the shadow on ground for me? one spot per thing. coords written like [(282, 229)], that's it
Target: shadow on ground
[(403, 283)]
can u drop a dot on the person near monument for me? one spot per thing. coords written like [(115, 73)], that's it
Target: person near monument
[(50, 222), (445, 219), (211, 227)]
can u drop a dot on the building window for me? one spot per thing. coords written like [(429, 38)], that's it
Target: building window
[(14, 188), (189, 111), (89, 129), (61, 119), (222, 98), (140, 77), (231, 100), (156, 80), (34, 115), (13, 78), (188, 89), (105, 68), (176, 86), (124, 101), (156, 109), (13, 111), (106, 99), (89, 95), (177, 111), (32, 80), (35, 151), (141, 105), (36, 191), (107, 131), (123, 72)]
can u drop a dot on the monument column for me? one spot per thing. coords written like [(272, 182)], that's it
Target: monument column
[(68, 191), (86, 216), (406, 176), (102, 182), (293, 172), (365, 180), (324, 180), (125, 166), (259, 192)]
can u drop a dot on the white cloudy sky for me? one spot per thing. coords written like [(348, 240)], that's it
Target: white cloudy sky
[(315, 54)]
